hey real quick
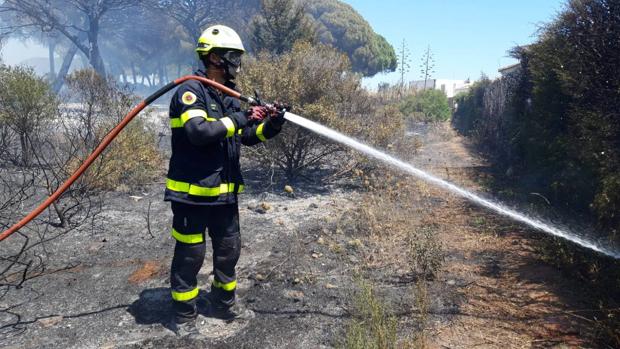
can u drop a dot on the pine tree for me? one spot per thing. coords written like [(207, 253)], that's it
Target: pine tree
[(279, 24)]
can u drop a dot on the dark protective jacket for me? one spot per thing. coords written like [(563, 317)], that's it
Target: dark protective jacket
[(204, 166)]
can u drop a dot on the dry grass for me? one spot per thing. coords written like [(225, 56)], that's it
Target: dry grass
[(388, 219), (374, 326), (396, 241)]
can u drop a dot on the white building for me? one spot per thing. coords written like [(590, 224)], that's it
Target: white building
[(450, 87)]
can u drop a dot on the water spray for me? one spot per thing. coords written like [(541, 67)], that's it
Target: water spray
[(403, 166), (333, 135)]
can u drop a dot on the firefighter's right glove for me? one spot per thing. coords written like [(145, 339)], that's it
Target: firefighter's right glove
[(257, 113)]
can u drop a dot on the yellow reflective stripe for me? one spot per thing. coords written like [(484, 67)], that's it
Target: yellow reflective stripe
[(187, 238), (176, 123), (259, 132), (196, 190), (185, 296), (192, 113), (177, 186), (239, 131), (230, 126), (214, 191), (229, 286)]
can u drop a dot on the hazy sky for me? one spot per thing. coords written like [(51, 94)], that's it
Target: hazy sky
[(467, 37), (15, 51)]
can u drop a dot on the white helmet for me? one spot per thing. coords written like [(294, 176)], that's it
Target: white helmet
[(219, 36)]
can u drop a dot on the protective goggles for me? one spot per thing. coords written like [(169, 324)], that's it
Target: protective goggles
[(232, 57)]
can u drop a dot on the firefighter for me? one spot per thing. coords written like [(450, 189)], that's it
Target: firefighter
[(204, 176)]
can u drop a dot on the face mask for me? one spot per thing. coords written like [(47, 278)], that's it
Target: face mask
[(232, 71)]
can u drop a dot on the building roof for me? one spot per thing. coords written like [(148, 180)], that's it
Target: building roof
[(509, 68)]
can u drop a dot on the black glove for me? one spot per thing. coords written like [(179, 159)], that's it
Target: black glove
[(276, 117), (240, 119)]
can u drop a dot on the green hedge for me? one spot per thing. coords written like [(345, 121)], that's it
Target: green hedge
[(556, 124)]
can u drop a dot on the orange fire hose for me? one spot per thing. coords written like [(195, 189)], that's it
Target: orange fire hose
[(110, 137)]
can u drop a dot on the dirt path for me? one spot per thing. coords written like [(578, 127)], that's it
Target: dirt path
[(504, 295)]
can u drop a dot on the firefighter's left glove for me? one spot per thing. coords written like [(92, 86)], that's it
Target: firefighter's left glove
[(276, 114), (241, 120)]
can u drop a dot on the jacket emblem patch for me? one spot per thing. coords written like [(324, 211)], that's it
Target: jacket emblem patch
[(188, 98)]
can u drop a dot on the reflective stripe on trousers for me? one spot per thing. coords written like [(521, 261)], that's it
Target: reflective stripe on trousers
[(187, 238), (229, 286), (185, 296)]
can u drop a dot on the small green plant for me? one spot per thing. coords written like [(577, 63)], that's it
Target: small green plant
[(422, 305), (479, 222), (372, 326), (425, 252)]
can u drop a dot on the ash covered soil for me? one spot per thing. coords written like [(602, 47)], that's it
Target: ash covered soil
[(109, 288)]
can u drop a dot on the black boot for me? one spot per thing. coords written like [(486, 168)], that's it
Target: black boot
[(222, 305), (182, 326), (226, 312), (183, 321)]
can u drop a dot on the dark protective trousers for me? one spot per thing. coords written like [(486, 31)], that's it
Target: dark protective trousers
[(189, 224)]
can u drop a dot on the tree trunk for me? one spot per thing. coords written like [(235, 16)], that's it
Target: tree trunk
[(23, 141), (61, 215), (161, 74), (64, 69), (51, 48), (124, 75), (94, 56), (134, 76)]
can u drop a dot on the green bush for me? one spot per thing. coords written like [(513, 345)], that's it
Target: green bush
[(26, 103), (559, 124), (427, 105), (425, 252), (317, 81), (132, 159)]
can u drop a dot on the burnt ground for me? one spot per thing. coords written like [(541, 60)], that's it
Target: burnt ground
[(106, 285), (109, 288)]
